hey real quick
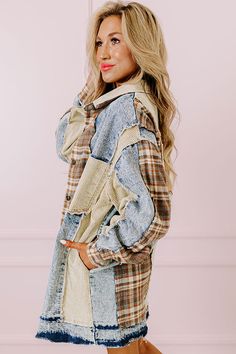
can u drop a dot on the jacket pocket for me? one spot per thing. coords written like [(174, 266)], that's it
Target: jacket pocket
[(89, 188)]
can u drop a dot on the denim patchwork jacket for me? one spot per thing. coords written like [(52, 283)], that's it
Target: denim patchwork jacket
[(118, 202)]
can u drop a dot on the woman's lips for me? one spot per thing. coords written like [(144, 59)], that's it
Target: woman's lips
[(106, 67)]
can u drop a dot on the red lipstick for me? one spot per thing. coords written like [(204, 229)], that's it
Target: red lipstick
[(105, 67)]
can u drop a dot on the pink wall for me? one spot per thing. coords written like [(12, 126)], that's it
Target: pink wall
[(193, 291)]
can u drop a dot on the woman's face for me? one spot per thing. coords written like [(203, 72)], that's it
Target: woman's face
[(111, 49)]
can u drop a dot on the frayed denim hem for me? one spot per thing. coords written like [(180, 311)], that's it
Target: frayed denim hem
[(108, 336), (59, 337)]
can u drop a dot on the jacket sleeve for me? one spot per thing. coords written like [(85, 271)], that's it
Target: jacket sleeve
[(71, 124), (156, 217)]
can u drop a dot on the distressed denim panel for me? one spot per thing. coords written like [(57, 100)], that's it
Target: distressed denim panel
[(102, 287), (109, 124), (139, 213), (60, 134), (145, 133), (54, 291)]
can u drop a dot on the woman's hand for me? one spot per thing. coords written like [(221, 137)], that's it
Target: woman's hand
[(82, 250)]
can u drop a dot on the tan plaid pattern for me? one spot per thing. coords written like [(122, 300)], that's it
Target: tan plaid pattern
[(131, 288)]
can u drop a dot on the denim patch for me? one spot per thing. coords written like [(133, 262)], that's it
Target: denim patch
[(145, 133), (109, 127), (102, 287), (139, 213), (53, 297)]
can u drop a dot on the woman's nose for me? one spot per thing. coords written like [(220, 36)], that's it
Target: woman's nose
[(105, 51)]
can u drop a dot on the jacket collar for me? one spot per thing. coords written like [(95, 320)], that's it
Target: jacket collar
[(106, 98)]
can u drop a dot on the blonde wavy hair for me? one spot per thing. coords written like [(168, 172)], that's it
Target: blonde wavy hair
[(143, 36)]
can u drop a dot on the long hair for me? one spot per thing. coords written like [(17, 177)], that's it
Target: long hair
[(143, 36)]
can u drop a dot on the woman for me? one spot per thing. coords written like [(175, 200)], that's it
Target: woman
[(117, 141)]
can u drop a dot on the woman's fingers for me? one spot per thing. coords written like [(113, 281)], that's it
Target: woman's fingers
[(72, 244), (82, 247)]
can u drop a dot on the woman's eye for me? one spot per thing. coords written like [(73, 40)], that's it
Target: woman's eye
[(116, 39), (97, 43)]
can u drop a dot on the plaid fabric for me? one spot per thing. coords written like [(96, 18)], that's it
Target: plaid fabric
[(131, 288)]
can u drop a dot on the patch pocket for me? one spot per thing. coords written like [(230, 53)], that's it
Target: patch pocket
[(88, 189)]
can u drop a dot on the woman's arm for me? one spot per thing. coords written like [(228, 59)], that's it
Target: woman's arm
[(101, 251)]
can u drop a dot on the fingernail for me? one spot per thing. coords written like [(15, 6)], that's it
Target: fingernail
[(63, 242)]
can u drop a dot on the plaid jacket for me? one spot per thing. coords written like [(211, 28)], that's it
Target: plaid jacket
[(122, 251), (153, 173)]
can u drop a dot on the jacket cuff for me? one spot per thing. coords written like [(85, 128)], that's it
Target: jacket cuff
[(104, 257), (95, 256)]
